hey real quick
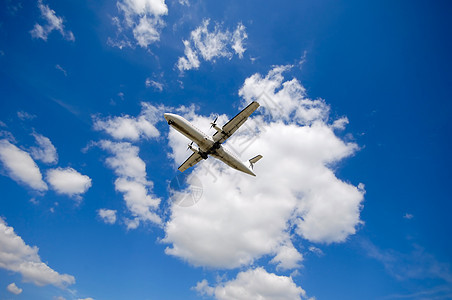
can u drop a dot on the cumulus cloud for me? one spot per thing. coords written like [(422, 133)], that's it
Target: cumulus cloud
[(20, 166), (107, 215), (287, 257), (52, 22), (131, 128), (68, 181), (140, 18), (16, 256), (210, 45), (242, 218), (12, 288), (46, 151), (254, 284), (132, 182)]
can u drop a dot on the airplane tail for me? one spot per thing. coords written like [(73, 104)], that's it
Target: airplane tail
[(254, 160)]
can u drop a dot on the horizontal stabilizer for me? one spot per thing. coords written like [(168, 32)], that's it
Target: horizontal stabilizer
[(255, 159)]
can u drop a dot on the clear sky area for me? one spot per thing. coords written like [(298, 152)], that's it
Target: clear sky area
[(352, 196)]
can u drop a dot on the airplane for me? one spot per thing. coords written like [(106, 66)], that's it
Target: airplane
[(212, 145)]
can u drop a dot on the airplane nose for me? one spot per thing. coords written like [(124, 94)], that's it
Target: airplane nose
[(166, 116)]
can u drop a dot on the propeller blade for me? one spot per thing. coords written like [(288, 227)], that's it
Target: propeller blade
[(214, 122)]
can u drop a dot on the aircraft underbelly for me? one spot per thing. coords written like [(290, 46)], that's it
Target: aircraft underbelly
[(191, 133)]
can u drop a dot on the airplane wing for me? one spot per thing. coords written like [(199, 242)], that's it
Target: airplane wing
[(232, 125), (190, 162)]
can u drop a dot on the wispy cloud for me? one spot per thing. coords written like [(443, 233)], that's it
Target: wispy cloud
[(156, 85), (52, 22), (418, 264), (58, 67), (45, 150), (23, 115), (210, 45)]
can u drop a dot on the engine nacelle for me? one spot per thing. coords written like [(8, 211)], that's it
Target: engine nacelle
[(219, 129), (202, 154)]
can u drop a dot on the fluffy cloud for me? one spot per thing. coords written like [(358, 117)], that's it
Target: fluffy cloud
[(131, 128), (20, 166), (53, 22), (143, 18), (132, 182), (107, 215), (68, 181), (45, 151), (241, 218), (211, 45), (12, 288), (254, 284), (16, 256)]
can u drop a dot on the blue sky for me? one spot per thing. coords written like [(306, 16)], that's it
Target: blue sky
[(350, 200)]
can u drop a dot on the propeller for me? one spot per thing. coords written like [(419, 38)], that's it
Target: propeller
[(214, 122), (189, 145)]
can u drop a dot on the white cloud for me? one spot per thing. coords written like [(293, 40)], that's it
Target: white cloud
[(408, 216), (45, 151), (418, 264), (58, 67), (16, 256), (316, 251), (132, 182), (211, 45), (53, 22), (107, 215), (340, 123), (12, 288), (143, 18), (238, 38), (254, 284), (157, 85), (23, 115), (132, 128), (241, 218), (68, 181), (20, 166), (283, 101), (287, 257)]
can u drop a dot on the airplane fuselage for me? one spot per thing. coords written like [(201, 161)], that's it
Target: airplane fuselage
[(207, 146)]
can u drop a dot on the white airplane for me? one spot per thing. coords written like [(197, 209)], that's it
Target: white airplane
[(211, 145)]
